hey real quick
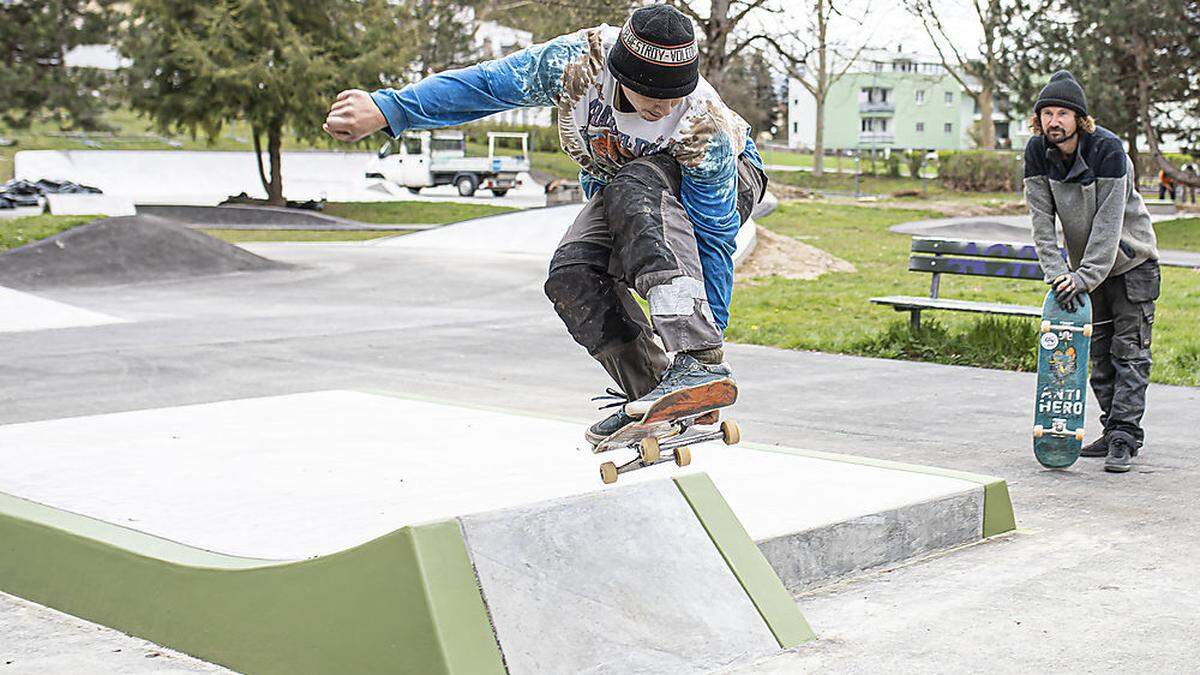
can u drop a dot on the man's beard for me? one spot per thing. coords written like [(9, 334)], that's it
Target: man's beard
[(1059, 141)]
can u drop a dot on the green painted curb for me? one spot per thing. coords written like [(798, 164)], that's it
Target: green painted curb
[(998, 516), (776, 606), (407, 602)]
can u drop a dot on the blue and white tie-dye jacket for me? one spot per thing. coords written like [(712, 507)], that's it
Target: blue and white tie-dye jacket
[(569, 73)]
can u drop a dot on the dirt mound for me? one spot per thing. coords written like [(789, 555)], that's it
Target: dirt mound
[(779, 255), (124, 250)]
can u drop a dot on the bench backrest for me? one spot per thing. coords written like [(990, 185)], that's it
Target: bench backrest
[(974, 258)]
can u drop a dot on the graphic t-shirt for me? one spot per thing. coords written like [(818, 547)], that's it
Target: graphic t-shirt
[(570, 73)]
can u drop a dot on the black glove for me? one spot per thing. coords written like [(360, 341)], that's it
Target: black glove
[(1067, 289)]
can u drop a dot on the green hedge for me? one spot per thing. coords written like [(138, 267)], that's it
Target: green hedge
[(978, 170), (1148, 168)]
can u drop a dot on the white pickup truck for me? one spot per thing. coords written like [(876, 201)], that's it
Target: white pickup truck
[(423, 159)]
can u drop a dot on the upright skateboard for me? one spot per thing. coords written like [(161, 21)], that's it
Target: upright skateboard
[(670, 426), (1064, 342)]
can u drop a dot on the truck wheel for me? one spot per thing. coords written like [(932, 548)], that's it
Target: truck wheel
[(466, 185), (500, 193), (415, 191)]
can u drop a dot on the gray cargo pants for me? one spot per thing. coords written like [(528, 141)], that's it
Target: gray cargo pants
[(1123, 317), (635, 234)]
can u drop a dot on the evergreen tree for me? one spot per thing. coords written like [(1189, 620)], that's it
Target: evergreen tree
[(35, 36), (276, 64)]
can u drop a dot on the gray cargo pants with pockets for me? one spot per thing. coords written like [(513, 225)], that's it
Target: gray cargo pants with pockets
[(1123, 317), (635, 234)]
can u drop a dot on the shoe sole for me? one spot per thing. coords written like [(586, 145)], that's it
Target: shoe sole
[(692, 401), (1113, 468)]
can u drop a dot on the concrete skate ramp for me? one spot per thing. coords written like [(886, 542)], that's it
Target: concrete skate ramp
[(510, 551), (534, 231), (124, 250), (245, 217), (23, 312)]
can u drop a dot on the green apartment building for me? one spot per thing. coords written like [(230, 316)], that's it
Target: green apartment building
[(892, 101)]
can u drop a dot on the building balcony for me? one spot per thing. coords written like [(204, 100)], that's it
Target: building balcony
[(876, 107), (876, 137)]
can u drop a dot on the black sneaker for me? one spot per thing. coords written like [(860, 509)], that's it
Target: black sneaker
[(1097, 448), (1121, 449), (690, 387), (607, 427)]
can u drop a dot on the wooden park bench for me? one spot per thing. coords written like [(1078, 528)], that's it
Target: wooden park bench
[(975, 258)]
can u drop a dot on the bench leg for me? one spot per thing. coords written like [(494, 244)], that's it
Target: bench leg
[(914, 320)]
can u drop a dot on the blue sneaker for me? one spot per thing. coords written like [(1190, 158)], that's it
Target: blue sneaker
[(687, 388)]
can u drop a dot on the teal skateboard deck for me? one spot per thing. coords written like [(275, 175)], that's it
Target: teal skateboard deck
[(1064, 342)]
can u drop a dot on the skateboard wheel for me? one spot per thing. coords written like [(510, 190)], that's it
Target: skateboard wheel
[(1038, 431), (608, 473), (648, 450), (1079, 435), (683, 456), (1045, 327), (731, 433), (1087, 330)]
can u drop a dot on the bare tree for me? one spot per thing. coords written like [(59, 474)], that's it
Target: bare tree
[(721, 40), (1143, 51), (812, 59), (994, 16)]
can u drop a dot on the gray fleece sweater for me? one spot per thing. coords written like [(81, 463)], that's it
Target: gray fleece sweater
[(1106, 226)]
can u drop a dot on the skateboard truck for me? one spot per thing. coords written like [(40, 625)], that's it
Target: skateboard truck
[(1058, 427), (651, 449), (1086, 328)]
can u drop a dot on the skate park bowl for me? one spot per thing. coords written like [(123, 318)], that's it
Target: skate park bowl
[(356, 531)]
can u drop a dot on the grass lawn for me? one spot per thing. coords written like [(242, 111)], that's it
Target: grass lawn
[(412, 212), (243, 236), (16, 232), (832, 313), (1181, 235), (886, 185)]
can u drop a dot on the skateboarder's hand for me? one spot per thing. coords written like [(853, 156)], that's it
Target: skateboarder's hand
[(353, 116), (1067, 288)]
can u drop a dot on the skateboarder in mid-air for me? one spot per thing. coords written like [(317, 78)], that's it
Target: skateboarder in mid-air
[(670, 173), (1081, 173)]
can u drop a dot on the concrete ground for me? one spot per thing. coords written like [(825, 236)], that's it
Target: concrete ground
[(1099, 579)]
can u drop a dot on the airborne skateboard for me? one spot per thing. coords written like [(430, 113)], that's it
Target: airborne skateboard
[(670, 426), (1062, 374)]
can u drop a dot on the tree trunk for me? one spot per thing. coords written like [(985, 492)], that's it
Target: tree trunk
[(274, 141), (262, 175), (987, 129), (1131, 134), (819, 140)]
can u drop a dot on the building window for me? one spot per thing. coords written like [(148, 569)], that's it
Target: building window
[(949, 98), (920, 127), (920, 97), (795, 127), (948, 127)]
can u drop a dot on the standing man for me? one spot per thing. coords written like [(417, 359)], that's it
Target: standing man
[(1081, 173), (670, 173)]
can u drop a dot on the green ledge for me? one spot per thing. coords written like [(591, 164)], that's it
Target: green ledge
[(776, 606), (407, 602)]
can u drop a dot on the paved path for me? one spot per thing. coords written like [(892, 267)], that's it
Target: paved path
[(1098, 554)]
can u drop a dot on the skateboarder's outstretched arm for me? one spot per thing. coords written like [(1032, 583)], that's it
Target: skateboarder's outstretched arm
[(531, 77)]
